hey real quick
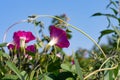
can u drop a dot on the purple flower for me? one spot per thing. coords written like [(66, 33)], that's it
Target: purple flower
[(31, 48), (72, 62), (58, 37), (22, 35), (11, 46)]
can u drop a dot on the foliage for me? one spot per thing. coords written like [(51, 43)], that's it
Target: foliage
[(45, 58)]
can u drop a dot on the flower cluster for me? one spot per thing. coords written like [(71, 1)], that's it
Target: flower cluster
[(42, 59), (58, 37), (20, 38)]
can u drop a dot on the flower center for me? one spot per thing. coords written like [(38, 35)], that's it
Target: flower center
[(53, 41), (22, 42), (23, 38)]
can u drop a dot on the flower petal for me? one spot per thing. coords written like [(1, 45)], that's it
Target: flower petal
[(31, 48), (60, 36), (28, 36), (11, 46)]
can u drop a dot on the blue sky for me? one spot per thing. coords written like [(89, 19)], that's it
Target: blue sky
[(79, 12)]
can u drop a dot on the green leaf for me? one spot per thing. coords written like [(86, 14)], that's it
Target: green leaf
[(110, 15), (70, 79), (36, 23), (69, 36), (105, 32), (54, 65), (97, 14), (107, 15), (66, 66), (24, 73), (4, 54), (3, 69), (114, 10), (73, 69), (112, 3), (65, 76), (108, 74), (111, 75), (68, 30), (78, 68), (109, 22), (32, 75), (14, 69), (47, 77), (10, 77), (3, 44), (116, 71)]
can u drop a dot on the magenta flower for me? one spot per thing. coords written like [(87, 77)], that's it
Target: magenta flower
[(22, 35), (11, 46), (58, 37), (31, 48), (72, 62)]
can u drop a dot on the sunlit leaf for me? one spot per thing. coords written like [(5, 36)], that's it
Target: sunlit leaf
[(4, 54), (70, 79), (108, 74), (116, 71), (32, 75), (24, 73), (14, 69), (47, 78), (73, 68), (78, 68), (111, 75), (10, 77), (66, 66)]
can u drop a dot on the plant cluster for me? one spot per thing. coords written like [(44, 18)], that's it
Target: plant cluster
[(45, 59)]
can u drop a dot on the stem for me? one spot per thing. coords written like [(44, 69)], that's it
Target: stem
[(5, 34), (105, 62), (100, 70), (89, 38), (74, 27)]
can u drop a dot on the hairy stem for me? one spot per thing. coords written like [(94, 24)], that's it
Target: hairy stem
[(5, 34), (96, 71)]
